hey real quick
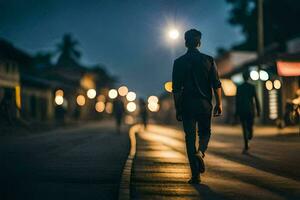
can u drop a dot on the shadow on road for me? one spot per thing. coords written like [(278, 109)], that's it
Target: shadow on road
[(206, 193)]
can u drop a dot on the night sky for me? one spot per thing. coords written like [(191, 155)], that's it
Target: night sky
[(127, 36)]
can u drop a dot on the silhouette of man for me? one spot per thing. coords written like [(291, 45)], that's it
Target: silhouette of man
[(143, 112), (245, 98), (194, 77), (118, 111)]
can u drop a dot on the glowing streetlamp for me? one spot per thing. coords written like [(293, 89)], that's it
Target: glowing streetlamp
[(123, 90), (277, 84), (91, 93), (131, 96), (80, 100), (113, 93), (254, 75), (59, 93), (153, 107), (153, 99), (59, 100), (263, 75), (269, 85), (173, 34), (131, 106), (168, 86), (100, 106), (109, 107)]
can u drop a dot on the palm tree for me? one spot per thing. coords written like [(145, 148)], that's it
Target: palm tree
[(69, 55)]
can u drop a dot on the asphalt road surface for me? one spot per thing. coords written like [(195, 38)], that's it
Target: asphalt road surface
[(83, 162)]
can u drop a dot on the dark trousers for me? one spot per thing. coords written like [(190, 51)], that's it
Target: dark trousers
[(203, 122), (247, 126)]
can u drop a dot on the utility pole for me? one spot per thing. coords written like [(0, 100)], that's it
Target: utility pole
[(260, 52), (260, 30)]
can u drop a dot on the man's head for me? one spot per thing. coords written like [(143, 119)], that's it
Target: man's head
[(246, 75), (192, 38)]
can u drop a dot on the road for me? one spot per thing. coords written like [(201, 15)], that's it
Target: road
[(83, 162), (270, 171)]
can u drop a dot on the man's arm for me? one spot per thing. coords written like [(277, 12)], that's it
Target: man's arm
[(237, 102), (177, 86), (216, 85), (218, 98), (256, 103)]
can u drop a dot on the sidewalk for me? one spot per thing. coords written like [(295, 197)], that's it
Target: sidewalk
[(258, 130), (160, 169)]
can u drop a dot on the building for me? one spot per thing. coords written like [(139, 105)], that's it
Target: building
[(276, 76)]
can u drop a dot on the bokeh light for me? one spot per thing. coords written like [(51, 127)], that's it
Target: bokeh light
[(91, 93), (100, 106), (153, 99), (263, 75), (153, 107), (123, 90), (80, 100), (254, 75), (101, 98), (59, 93), (269, 85), (131, 96), (113, 93), (131, 106), (277, 84), (109, 107), (168, 86), (59, 100)]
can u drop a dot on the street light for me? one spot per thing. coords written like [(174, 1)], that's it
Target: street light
[(123, 90), (173, 34), (168, 86), (80, 100), (113, 93), (254, 75), (59, 100), (153, 99), (131, 106), (91, 93), (59, 92), (131, 96), (100, 106), (263, 75)]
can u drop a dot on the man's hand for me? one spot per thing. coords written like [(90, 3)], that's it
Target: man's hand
[(217, 110)]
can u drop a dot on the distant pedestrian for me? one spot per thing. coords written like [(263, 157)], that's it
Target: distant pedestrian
[(246, 97), (7, 108), (118, 112), (143, 113), (195, 76)]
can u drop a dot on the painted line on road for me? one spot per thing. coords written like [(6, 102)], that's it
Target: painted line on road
[(124, 190)]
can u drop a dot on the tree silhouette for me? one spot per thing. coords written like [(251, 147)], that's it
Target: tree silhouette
[(280, 21), (69, 55)]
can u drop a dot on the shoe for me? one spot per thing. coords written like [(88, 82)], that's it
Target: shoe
[(245, 151), (200, 162), (194, 180)]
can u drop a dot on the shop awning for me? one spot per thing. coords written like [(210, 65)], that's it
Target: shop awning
[(288, 68)]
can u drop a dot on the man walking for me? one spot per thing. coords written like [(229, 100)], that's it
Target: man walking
[(118, 111), (194, 78), (245, 109)]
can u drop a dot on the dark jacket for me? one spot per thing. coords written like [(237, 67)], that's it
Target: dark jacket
[(245, 97), (194, 76)]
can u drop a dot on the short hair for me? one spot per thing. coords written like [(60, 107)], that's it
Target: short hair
[(192, 38)]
